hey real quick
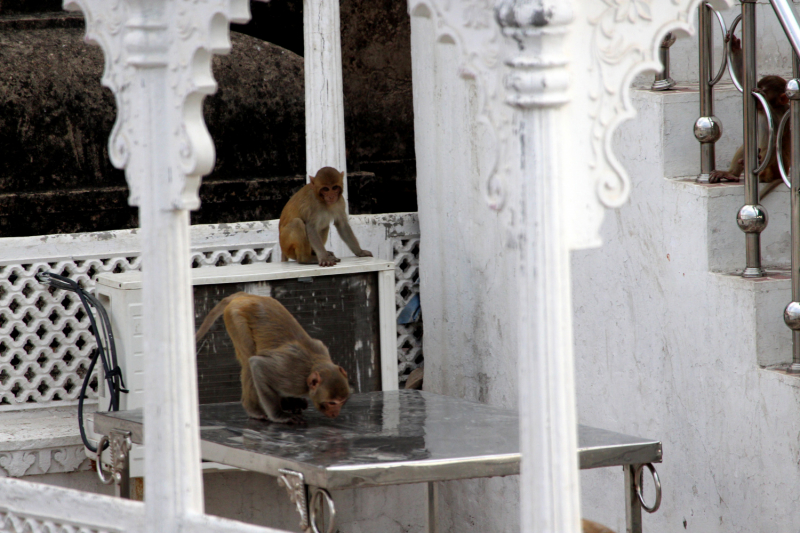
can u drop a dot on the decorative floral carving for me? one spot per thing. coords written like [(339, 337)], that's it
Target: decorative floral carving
[(144, 48), (630, 9), (20, 523), (619, 37), (16, 464), (34, 462)]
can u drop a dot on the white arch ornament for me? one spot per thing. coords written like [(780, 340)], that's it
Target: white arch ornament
[(552, 79)]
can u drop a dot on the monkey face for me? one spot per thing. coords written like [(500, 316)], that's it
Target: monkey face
[(331, 408), (329, 390), (328, 185), (330, 195)]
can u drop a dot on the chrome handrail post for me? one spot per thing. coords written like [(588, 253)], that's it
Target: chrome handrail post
[(663, 81), (752, 217), (792, 313), (707, 129)]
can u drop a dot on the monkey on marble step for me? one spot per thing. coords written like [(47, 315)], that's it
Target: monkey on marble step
[(307, 216), (281, 363), (773, 88)]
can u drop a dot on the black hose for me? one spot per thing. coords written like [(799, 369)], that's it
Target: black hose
[(111, 371)]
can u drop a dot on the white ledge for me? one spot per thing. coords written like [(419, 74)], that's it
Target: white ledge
[(41, 428)]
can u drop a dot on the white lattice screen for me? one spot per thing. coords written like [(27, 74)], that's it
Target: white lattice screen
[(45, 335), (409, 336)]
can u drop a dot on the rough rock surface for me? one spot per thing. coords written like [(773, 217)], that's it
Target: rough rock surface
[(55, 119)]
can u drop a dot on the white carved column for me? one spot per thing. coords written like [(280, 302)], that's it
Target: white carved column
[(158, 64), (537, 84), (325, 146)]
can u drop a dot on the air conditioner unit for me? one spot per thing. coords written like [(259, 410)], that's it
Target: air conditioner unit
[(350, 307)]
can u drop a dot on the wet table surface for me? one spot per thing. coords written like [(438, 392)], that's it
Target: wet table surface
[(384, 438)]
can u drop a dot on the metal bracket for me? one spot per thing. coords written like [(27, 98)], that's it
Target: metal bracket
[(121, 444), (296, 487)]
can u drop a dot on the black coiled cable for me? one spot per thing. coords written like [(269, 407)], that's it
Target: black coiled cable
[(106, 350)]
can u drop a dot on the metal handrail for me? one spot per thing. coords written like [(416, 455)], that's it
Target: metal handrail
[(707, 128), (771, 125), (725, 50), (788, 21), (779, 143), (728, 40)]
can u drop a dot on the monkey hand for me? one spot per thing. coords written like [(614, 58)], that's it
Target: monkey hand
[(736, 44), (327, 260), (717, 176), (364, 253), (294, 405), (292, 419)]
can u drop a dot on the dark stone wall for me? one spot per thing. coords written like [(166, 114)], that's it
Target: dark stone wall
[(55, 119)]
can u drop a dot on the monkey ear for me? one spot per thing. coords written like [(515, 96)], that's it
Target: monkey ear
[(342, 174), (343, 372), (783, 99), (313, 380), (311, 178)]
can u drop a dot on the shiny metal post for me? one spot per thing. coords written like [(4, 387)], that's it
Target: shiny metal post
[(432, 507), (633, 507), (791, 314), (752, 217), (707, 129), (663, 81)]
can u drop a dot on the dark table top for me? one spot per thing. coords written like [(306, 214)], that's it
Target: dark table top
[(384, 438)]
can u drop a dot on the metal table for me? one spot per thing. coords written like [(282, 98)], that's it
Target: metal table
[(382, 438)]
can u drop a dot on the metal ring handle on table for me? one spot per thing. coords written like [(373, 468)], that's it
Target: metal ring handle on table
[(779, 145), (728, 40), (724, 63), (771, 142), (656, 481), (331, 510), (99, 461)]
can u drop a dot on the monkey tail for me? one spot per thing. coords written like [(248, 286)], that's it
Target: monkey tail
[(214, 315)]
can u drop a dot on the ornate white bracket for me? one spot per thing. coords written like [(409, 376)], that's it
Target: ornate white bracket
[(608, 43), (141, 38)]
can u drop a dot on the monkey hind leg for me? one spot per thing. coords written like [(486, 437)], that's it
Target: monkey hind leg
[(295, 244)]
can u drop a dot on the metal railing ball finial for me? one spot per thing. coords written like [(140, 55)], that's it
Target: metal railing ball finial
[(708, 129), (752, 218)]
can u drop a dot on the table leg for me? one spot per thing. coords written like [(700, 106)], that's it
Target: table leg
[(633, 507), (432, 507), (122, 478)]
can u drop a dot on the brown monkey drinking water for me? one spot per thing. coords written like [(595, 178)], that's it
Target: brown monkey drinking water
[(306, 220), (279, 360)]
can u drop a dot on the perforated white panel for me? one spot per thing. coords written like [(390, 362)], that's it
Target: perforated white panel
[(45, 336), (409, 336)]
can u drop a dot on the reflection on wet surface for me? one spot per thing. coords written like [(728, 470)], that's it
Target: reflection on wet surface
[(373, 428)]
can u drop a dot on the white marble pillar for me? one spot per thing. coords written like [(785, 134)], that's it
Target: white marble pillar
[(325, 145)]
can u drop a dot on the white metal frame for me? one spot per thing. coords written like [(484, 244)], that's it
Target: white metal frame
[(562, 66)]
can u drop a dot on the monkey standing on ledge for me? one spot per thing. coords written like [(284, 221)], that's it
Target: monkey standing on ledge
[(279, 360), (307, 217), (773, 88)]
